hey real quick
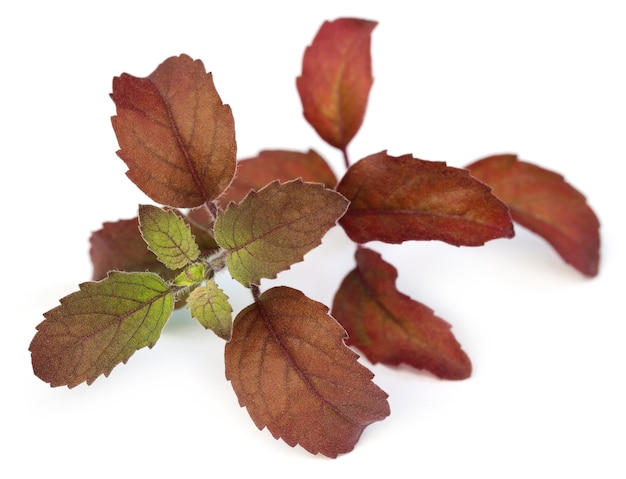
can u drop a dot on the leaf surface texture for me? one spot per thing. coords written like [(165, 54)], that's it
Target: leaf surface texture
[(289, 366), (209, 305), (118, 245), (396, 199), (542, 201), (273, 228), (390, 327), (100, 326), (174, 133), (168, 236), (336, 79), (283, 165)]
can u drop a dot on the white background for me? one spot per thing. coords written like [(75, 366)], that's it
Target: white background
[(454, 81)]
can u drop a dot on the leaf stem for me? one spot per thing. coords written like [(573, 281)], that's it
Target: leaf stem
[(217, 261), (179, 291), (346, 160), (256, 292), (212, 207)]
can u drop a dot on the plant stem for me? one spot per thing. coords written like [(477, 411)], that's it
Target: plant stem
[(346, 160), (217, 261), (256, 292), (212, 208)]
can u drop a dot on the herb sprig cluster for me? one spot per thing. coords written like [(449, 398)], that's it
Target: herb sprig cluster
[(290, 359)]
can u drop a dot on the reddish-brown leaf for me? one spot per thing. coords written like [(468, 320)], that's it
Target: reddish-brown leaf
[(175, 135), (336, 79), (396, 199), (118, 246), (542, 201), (283, 165), (289, 366), (390, 327)]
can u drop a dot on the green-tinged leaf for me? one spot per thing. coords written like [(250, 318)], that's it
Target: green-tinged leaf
[(168, 236), (210, 306), (100, 326), (396, 199), (119, 246), (289, 366), (273, 228), (542, 201), (390, 327), (193, 274), (175, 134), (283, 165), (336, 79)]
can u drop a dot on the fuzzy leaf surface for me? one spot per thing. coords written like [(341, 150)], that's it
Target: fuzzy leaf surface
[(192, 275), (283, 165), (100, 326), (119, 246), (167, 236), (273, 228), (396, 199), (289, 366), (542, 201), (210, 306), (336, 79), (390, 327), (175, 134)]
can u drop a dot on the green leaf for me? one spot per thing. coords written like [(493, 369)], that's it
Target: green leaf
[(210, 306), (168, 236), (100, 326), (193, 274), (119, 246), (273, 228)]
